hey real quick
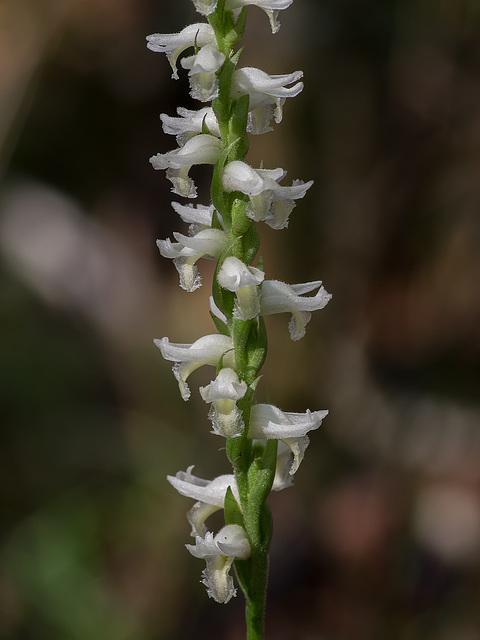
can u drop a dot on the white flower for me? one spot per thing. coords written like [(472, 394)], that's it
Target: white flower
[(264, 91), (267, 421), (278, 297), (201, 149), (199, 217), (219, 552), (207, 243), (189, 357), (202, 72), (269, 201), (216, 311), (223, 393), (210, 495), (237, 277), (205, 7), (173, 44), (190, 123), (271, 8), (283, 479)]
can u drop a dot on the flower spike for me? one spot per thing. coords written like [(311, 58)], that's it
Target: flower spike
[(264, 445)]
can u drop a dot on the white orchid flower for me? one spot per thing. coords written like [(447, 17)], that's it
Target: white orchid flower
[(199, 217), (205, 7), (267, 95), (271, 8), (189, 357), (203, 68), (201, 149), (223, 393), (219, 552), (283, 478), (278, 297), (173, 44), (243, 280), (267, 421), (190, 123), (216, 311), (269, 201), (207, 243), (209, 494)]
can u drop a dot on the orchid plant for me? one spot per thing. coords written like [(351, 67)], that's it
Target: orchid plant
[(264, 444)]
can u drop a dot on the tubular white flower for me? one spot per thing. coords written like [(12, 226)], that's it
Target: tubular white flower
[(190, 123), (205, 7), (267, 421), (271, 8), (237, 277), (199, 217), (283, 479), (223, 393), (189, 357), (201, 149), (265, 91), (219, 552), (202, 72), (173, 44), (207, 243), (216, 311), (269, 201), (210, 495), (278, 297)]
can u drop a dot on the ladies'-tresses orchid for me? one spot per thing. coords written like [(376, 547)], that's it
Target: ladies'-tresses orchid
[(264, 444), (207, 243), (267, 421), (173, 44), (269, 201), (201, 149), (271, 8), (203, 67), (210, 496), (265, 91), (219, 552), (235, 276), (189, 357), (190, 123), (278, 297), (223, 393)]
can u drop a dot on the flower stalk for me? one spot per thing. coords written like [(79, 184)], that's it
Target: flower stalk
[(264, 445)]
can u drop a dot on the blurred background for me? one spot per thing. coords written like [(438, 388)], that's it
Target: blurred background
[(380, 537)]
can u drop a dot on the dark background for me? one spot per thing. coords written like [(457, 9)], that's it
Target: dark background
[(380, 537)]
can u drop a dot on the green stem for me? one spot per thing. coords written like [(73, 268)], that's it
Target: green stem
[(254, 466)]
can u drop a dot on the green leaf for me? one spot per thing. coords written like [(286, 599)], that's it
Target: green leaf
[(205, 129), (233, 513), (220, 326), (251, 243)]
